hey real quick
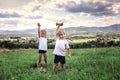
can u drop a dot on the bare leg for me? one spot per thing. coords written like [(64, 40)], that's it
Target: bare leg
[(62, 67), (54, 68), (39, 60), (45, 59)]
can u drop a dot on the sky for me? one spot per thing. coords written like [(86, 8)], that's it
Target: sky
[(25, 14)]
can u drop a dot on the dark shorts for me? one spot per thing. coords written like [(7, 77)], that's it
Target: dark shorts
[(42, 51), (58, 59)]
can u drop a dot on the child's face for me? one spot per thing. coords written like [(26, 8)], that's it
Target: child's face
[(61, 35), (43, 34)]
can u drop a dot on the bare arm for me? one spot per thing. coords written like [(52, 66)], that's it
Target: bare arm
[(39, 29), (69, 52), (58, 27)]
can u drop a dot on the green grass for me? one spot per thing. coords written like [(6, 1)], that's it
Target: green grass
[(84, 64)]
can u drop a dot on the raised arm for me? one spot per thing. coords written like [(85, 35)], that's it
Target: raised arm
[(58, 27), (38, 29)]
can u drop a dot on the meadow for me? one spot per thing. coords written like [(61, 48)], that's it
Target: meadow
[(84, 64)]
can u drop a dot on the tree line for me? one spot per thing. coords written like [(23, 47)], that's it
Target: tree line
[(34, 44)]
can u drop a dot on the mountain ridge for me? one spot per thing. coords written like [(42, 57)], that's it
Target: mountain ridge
[(69, 30)]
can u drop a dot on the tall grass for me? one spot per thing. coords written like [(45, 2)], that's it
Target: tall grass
[(84, 64)]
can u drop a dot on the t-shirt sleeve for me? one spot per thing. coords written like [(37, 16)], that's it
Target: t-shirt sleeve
[(67, 45)]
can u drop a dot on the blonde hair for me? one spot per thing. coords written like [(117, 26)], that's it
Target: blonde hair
[(60, 31)]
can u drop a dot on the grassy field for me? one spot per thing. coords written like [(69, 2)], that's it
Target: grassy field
[(84, 64)]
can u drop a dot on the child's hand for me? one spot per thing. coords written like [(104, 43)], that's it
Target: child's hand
[(38, 24), (69, 55)]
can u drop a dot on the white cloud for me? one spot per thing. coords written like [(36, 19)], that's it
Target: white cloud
[(85, 14), (13, 3), (116, 8), (48, 12), (103, 21)]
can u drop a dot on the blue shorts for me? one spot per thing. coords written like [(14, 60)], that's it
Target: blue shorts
[(58, 59)]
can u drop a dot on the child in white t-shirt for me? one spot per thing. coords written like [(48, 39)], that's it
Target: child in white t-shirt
[(42, 46), (60, 46)]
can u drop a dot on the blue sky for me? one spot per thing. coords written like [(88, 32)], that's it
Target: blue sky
[(24, 14)]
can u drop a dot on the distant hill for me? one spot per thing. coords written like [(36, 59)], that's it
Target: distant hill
[(69, 30), (29, 31), (111, 28)]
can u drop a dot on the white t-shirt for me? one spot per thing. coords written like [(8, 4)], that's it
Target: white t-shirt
[(60, 46), (42, 43)]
